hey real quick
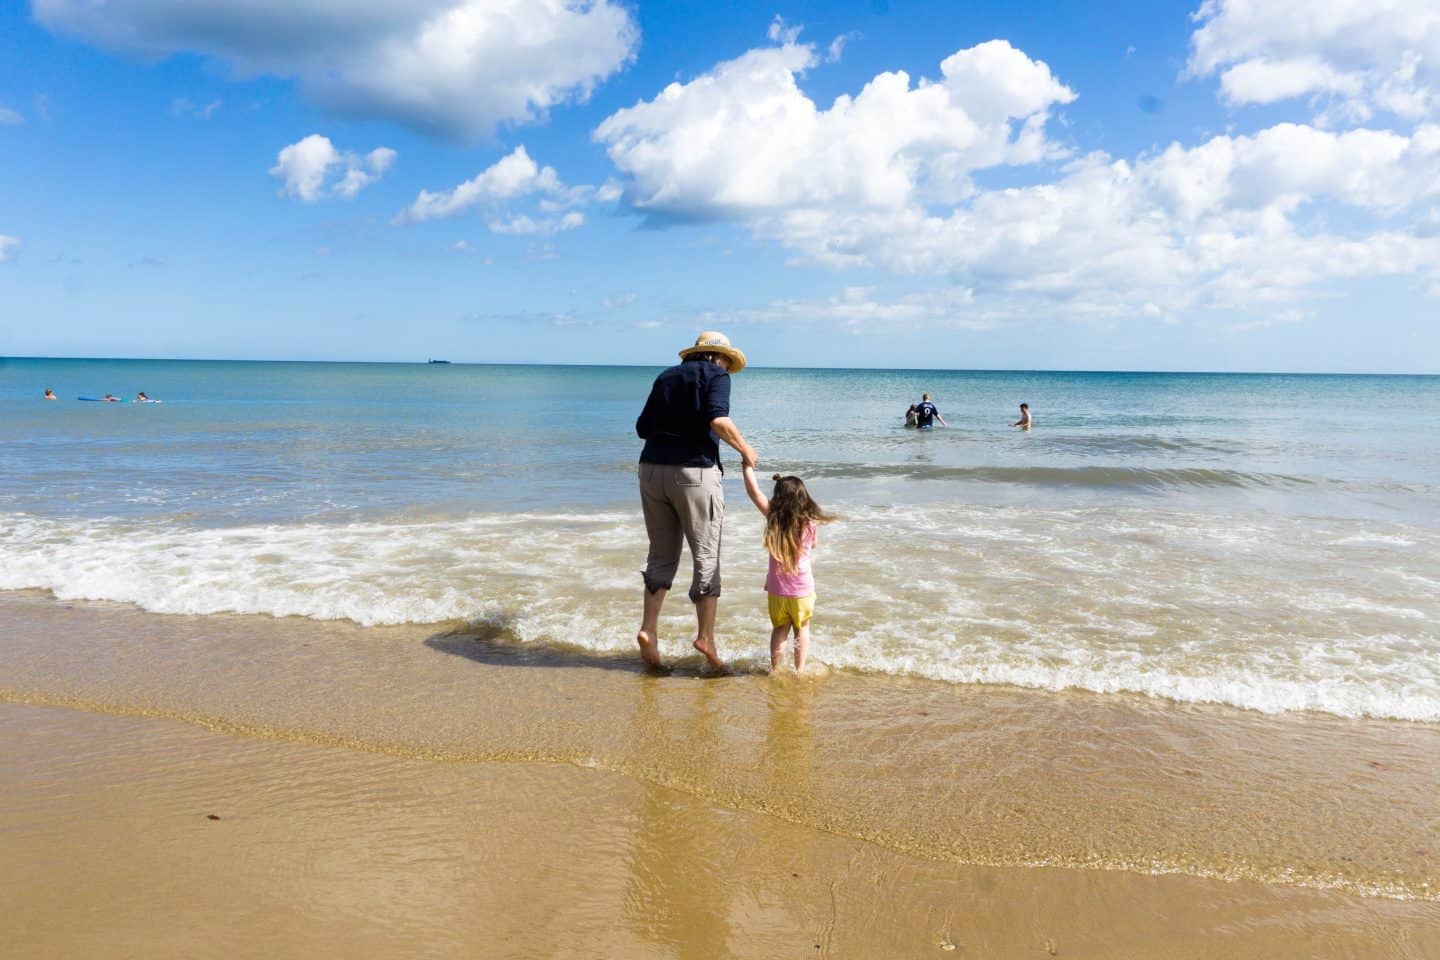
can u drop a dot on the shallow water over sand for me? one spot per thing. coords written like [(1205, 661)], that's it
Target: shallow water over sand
[(978, 775)]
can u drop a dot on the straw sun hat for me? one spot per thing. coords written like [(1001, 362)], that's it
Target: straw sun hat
[(712, 341)]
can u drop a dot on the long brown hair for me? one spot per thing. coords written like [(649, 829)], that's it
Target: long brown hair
[(791, 511)]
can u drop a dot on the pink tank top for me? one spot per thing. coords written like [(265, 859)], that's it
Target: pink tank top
[(801, 581)]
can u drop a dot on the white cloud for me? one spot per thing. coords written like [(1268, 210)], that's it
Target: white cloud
[(836, 50), (454, 67), (857, 309), (1288, 164), (1219, 225), (10, 116), (1267, 81), (514, 175), (362, 172), (8, 246), (1353, 57), (884, 180), (744, 140), (312, 168), (778, 32), (304, 165), (526, 226), (185, 107), (1279, 318)]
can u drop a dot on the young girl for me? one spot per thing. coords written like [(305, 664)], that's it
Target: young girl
[(791, 519)]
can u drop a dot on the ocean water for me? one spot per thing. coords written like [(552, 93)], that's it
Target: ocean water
[(1268, 542)]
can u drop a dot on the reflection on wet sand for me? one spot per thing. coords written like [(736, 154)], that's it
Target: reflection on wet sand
[(722, 884), (673, 896), (788, 755)]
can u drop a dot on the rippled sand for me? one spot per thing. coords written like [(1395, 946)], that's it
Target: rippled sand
[(141, 837), (426, 759)]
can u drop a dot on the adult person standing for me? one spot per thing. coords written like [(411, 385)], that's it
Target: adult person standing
[(685, 417), (926, 413)]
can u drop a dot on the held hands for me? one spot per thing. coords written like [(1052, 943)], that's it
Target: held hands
[(749, 458)]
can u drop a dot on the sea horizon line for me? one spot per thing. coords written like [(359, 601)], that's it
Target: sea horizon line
[(750, 366)]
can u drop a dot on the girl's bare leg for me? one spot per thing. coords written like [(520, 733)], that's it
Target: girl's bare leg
[(802, 646), (777, 646)]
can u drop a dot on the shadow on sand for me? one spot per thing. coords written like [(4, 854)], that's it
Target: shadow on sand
[(494, 642)]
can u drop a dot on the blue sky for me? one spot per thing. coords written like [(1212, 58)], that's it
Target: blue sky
[(1235, 186)]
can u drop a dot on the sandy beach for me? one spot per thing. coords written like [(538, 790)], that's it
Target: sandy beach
[(408, 792), (719, 481)]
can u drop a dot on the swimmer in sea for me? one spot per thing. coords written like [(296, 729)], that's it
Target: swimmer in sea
[(50, 394), (1024, 422), (141, 398), (111, 398)]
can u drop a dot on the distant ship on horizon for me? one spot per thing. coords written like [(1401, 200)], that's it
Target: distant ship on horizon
[(437, 361)]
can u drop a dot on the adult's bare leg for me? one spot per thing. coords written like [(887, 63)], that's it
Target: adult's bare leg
[(705, 630), (663, 528), (648, 636)]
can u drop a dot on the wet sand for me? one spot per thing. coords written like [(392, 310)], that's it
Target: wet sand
[(422, 792), (112, 851)]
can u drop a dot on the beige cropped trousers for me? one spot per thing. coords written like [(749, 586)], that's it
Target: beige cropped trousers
[(682, 504)]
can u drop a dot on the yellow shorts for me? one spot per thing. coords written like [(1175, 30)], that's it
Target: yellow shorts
[(791, 611)]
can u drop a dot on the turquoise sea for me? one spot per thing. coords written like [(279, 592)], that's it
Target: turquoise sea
[(1267, 541)]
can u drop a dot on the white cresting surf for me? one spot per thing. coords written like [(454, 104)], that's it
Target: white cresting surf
[(1186, 607), (1247, 540)]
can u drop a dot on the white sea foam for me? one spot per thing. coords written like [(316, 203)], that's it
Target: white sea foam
[(1376, 538), (372, 573), (1272, 614)]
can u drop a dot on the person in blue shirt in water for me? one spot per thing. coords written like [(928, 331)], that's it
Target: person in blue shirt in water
[(926, 413)]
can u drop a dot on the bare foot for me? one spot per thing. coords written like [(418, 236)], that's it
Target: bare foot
[(707, 648), (649, 649)]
